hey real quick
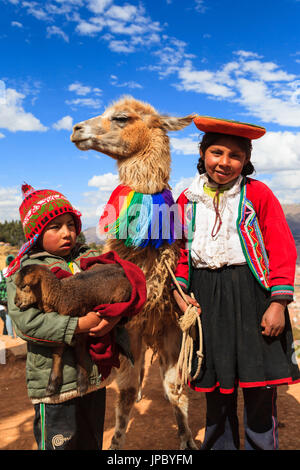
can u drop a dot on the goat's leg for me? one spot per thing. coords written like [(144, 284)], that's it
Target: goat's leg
[(55, 379), (82, 374), (177, 398)]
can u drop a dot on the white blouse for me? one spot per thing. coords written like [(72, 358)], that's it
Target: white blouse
[(225, 248)]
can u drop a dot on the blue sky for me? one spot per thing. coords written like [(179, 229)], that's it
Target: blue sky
[(64, 61)]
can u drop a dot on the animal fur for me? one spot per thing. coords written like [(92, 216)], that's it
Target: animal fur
[(135, 135), (73, 296)]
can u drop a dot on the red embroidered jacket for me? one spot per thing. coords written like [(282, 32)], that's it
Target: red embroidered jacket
[(266, 239)]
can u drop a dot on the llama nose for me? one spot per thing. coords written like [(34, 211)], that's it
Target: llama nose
[(78, 127)]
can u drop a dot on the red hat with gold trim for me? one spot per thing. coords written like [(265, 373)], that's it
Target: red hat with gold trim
[(224, 126)]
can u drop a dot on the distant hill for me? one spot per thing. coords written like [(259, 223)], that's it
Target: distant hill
[(91, 236), (292, 213)]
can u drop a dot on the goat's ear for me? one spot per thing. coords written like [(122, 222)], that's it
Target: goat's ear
[(170, 123), (28, 276)]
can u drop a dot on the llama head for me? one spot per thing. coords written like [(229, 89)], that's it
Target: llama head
[(124, 129), (135, 134), (28, 283)]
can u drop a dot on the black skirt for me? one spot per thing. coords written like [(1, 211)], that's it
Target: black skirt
[(235, 351)]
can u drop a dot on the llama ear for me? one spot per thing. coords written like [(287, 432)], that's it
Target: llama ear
[(170, 123)]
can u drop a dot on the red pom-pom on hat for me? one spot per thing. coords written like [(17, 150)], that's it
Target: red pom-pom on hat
[(26, 188)]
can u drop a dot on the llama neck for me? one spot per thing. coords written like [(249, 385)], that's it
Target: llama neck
[(148, 172)]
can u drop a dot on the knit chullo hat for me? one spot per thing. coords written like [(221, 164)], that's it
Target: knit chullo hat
[(38, 209)]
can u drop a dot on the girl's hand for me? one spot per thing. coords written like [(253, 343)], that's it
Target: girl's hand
[(105, 325), (88, 321), (182, 304), (273, 320)]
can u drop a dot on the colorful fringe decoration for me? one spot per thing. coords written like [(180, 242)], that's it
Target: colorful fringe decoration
[(139, 219)]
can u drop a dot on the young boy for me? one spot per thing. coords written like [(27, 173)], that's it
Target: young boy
[(66, 420)]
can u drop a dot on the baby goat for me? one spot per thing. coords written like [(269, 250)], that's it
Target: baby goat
[(74, 296)]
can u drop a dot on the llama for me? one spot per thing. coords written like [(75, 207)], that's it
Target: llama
[(73, 296), (135, 135)]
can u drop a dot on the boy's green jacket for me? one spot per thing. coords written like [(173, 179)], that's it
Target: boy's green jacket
[(44, 331)]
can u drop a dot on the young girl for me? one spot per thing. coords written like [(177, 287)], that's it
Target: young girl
[(238, 258), (66, 420)]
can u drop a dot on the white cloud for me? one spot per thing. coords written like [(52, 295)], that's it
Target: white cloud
[(125, 13), (85, 102), (277, 151), (200, 6), (13, 117), (36, 10), (17, 24), (95, 200), (90, 28), (184, 146), (121, 46), (284, 184), (83, 90), (65, 123), (266, 71), (91, 17), (106, 182), (261, 102), (202, 81), (10, 200), (79, 89), (180, 186), (2, 135), (56, 31), (98, 6), (262, 88), (130, 84)]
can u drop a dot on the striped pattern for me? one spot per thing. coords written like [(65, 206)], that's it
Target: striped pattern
[(282, 291), (252, 240), (139, 219), (43, 426)]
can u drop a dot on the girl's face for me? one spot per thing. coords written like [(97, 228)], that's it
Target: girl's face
[(224, 160), (59, 236)]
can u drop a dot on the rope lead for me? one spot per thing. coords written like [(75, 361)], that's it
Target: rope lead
[(187, 323)]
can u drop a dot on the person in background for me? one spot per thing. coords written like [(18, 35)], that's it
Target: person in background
[(7, 323)]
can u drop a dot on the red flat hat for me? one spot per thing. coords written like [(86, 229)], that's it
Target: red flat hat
[(224, 126)]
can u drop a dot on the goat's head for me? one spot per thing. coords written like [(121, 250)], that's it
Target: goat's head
[(28, 283), (124, 129)]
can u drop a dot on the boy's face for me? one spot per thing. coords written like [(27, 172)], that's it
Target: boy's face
[(59, 236)]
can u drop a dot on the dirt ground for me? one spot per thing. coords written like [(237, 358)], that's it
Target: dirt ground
[(152, 425)]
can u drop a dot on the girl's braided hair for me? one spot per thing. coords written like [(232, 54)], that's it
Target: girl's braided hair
[(210, 138)]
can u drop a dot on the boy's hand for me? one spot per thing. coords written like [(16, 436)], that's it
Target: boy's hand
[(182, 304), (88, 321), (273, 320), (105, 325)]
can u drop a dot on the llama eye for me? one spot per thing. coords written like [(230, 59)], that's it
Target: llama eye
[(120, 119)]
